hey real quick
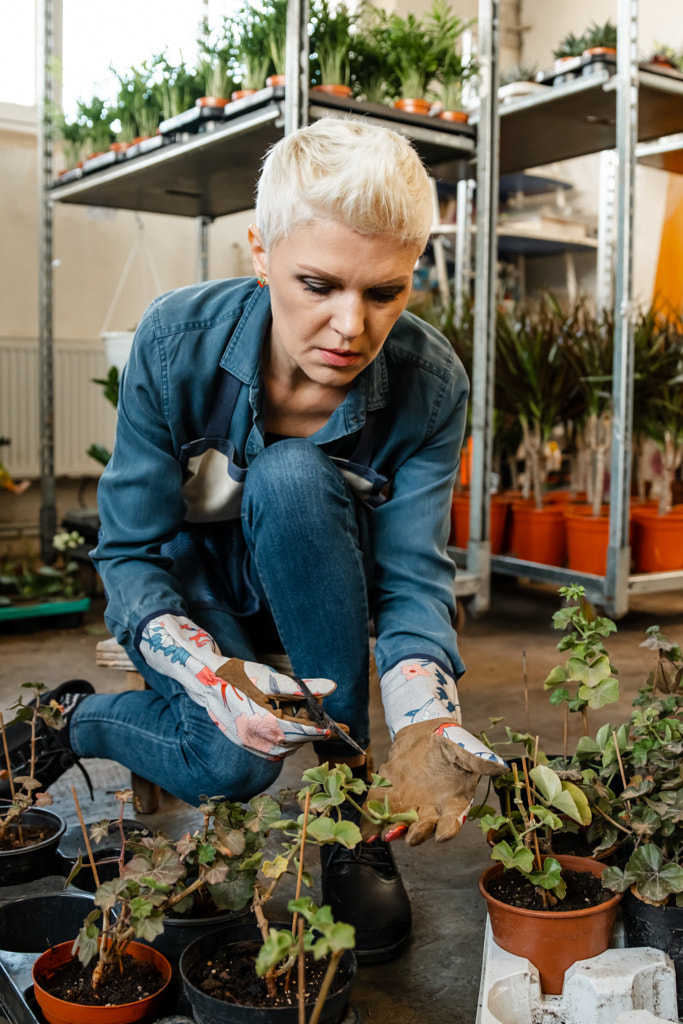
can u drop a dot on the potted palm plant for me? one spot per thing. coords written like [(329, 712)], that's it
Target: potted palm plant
[(534, 383)]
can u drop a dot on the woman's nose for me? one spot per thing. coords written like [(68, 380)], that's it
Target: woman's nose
[(349, 316)]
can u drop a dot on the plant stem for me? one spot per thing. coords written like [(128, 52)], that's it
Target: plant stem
[(300, 872), (621, 767), (301, 965), (324, 988)]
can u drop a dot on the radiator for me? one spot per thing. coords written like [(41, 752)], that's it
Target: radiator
[(82, 415)]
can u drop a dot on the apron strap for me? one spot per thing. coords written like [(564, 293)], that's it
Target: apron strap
[(223, 406)]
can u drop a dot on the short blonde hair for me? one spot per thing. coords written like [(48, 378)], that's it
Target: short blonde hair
[(362, 175)]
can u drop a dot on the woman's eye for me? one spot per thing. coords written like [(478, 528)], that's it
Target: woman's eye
[(384, 296), (317, 287)]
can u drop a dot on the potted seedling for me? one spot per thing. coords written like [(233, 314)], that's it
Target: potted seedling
[(551, 910), (452, 76), (331, 34), (29, 832), (30, 588), (104, 967), (308, 954), (567, 56), (601, 40)]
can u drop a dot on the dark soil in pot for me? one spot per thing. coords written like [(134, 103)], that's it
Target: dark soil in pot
[(30, 850), (72, 982), (583, 890), (229, 975)]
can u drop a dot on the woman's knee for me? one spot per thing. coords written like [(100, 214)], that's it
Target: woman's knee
[(293, 471), (229, 772)]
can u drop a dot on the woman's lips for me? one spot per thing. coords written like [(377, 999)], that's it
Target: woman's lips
[(339, 357)]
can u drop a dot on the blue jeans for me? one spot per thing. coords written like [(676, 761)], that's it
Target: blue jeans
[(306, 557)]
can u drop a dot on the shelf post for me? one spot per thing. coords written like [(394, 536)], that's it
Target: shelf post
[(202, 248), (618, 551), (479, 547), (463, 244), (296, 66), (45, 50)]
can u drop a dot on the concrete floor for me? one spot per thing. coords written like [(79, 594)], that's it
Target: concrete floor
[(436, 980)]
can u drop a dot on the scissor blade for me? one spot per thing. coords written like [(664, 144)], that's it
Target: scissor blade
[(321, 717)]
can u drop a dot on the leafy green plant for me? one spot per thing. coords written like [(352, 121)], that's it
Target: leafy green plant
[(644, 756), (549, 801), (110, 390), (25, 579), (588, 678), (24, 789)]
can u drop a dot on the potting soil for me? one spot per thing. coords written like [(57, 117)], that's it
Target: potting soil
[(72, 982), (583, 890), (17, 837), (230, 975)]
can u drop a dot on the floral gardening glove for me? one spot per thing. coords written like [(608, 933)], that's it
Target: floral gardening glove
[(434, 764), (240, 697)]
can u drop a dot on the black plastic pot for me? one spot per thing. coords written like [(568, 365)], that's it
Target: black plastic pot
[(31, 862), (207, 1010), (659, 927), (34, 923)]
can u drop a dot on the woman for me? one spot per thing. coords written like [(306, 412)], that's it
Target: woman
[(284, 461)]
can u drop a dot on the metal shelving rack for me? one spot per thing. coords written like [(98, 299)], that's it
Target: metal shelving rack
[(206, 176), (587, 115)]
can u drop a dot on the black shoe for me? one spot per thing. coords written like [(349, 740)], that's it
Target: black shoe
[(53, 751), (364, 889)]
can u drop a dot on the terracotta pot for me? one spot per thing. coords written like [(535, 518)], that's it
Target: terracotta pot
[(552, 940), (460, 521), (454, 115), (413, 106), (538, 534), (239, 94), (211, 101), (59, 1011), (120, 147), (333, 90), (657, 540), (600, 51), (275, 80)]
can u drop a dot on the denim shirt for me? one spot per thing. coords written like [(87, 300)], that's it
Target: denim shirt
[(417, 390)]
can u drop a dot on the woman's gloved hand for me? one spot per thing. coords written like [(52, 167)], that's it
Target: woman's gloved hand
[(241, 697), (434, 764)]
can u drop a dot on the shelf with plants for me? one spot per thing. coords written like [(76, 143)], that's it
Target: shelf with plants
[(592, 113), (187, 177)]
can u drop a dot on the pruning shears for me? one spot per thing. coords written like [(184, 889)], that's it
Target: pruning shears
[(321, 717)]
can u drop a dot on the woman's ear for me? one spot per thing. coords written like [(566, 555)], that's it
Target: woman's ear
[(258, 253)]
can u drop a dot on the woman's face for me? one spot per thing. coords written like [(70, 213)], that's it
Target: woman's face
[(335, 296)]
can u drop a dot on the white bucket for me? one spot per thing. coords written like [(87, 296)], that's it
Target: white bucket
[(117, 346)]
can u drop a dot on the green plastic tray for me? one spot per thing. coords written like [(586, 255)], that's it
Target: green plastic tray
[(33, 611)]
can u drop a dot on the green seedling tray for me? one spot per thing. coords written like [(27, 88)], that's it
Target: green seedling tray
[(33, 611)]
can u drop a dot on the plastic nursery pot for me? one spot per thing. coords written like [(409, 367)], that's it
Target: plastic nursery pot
[(180, 932), (239, 94), (460, 521), (587, 539), (659, 927), (552, 940), (30, 924), (413, 106), (59, 1011), (207, 1010), (333, 89), (27, 863), (538, 534), (275, 80), (657, 540)]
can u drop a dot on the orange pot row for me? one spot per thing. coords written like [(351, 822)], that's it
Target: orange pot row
[(568, 534)]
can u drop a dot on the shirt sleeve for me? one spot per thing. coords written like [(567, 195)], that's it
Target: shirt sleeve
[(139, 497), (414, 580)]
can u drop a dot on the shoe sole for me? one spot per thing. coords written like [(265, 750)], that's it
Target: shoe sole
[(367, 957)]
